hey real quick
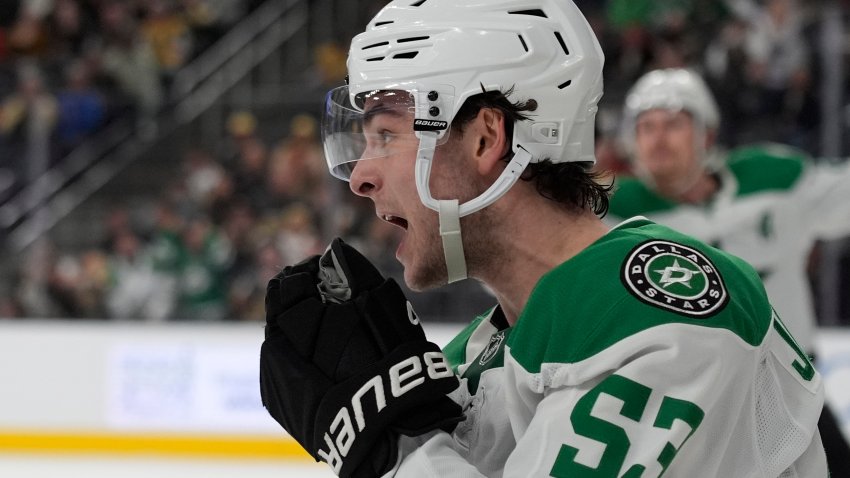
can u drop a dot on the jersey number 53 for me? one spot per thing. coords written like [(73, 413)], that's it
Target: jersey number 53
[(635, 397)]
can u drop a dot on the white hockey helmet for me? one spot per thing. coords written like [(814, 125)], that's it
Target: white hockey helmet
[(673, 89), (441, 52)]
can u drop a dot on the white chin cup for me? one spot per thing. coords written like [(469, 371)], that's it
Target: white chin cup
[(451, 210)]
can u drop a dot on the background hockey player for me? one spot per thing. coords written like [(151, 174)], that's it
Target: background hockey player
[(632, 351), (767, 203)]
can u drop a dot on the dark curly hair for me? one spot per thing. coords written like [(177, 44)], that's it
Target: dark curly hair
[(573, 184)]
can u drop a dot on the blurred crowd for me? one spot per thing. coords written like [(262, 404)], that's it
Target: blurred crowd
[(70, 67), (209, 241), (763, 59)]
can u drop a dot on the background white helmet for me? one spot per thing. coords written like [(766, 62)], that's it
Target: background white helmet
[(444, 51), (674, 89)]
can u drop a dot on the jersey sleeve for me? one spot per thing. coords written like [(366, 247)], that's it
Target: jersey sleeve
[(815, 194)]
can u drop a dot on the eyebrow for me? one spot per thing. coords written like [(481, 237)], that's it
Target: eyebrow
[(380, 109)]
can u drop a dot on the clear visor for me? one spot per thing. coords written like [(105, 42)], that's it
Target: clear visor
[(383, 123)]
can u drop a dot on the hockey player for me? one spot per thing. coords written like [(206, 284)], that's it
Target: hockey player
[(767, 204), (634, 351)]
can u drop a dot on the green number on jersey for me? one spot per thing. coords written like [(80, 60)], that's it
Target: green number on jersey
[(671, 410), (804, 365), (635, 397)]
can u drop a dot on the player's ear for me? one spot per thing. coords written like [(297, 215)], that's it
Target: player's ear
[(489, 144)]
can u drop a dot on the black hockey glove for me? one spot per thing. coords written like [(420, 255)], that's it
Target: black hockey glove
[(346, 368)]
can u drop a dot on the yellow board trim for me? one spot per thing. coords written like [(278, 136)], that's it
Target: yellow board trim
[(190, 446)]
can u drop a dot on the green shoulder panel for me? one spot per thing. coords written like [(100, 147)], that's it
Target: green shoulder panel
[(455, 351), (638, 276), (766, 167), (632, 198)]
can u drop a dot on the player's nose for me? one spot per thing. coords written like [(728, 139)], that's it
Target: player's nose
[(365, 178)]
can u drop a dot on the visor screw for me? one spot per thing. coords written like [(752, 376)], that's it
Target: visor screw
[(433, 95), (434, 111)]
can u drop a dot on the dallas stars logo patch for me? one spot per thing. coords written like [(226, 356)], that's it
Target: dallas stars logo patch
[(674, 277)]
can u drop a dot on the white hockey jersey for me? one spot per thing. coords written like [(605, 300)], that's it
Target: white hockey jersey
[(773, 204), (647, 354)]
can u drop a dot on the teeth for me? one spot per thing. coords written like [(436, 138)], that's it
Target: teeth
[(395, 220)]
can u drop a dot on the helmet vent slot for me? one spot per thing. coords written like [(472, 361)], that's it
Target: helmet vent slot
[(416, 4), (375, 58), (375, 45), (565, 84), (406, 55), (535, 13), (561, 41), (522, 40), (380, 24), (405, 40)]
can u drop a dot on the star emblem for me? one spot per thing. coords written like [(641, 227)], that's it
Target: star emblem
[(669, 278), (676, 277)]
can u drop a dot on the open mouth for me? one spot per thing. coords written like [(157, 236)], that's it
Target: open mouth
[(395, 220)]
